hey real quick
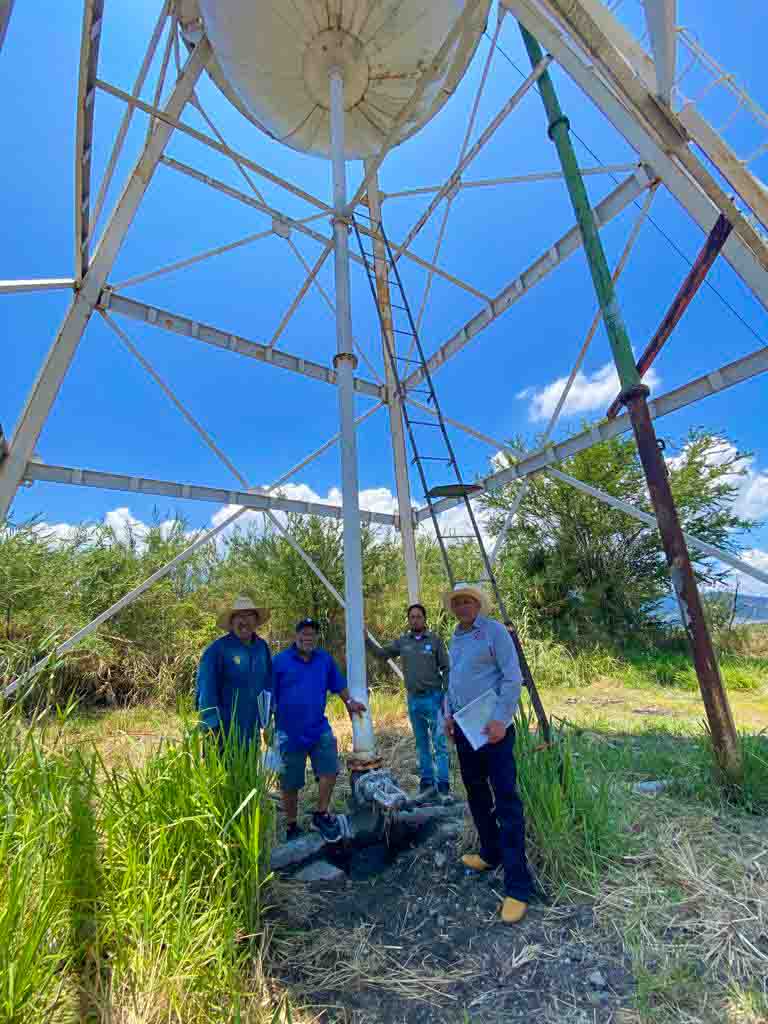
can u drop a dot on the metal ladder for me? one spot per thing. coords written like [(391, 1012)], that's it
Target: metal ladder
[(445, 455)]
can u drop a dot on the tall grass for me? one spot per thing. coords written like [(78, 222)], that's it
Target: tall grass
[(574, 818), (132, 893)]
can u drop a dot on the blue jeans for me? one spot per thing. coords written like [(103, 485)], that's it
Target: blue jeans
[(426, 713)]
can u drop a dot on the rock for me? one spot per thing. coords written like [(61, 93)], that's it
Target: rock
[(440, 860), (650, 788), (320, 871), (596, 979), (295, 852), (450, 830)]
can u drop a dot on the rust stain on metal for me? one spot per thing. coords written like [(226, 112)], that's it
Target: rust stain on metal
[(716, 239), (724, 738)]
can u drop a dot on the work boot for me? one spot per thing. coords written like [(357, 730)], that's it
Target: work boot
[(475, 862), (292, 831), (327, 825), (444, 789), (513, 910), (426, 788)]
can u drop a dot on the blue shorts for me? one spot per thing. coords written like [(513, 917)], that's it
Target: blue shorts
[(323, 755)]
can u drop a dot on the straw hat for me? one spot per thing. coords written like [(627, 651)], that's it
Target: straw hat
[(467, 590), (243, 603)]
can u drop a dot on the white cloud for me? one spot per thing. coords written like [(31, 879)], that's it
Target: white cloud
[(373, 499), (120, 521), (588, 393), (750, 481), (125, 526), (752, 502), (455, 522), (748, 584)]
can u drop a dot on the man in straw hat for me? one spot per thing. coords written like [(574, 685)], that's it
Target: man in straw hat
[(233, 671), (485, 669)]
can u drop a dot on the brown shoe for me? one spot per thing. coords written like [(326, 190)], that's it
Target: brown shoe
[(513, 910), (475, 862)]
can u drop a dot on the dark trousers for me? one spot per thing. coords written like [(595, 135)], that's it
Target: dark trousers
[(490, 776)]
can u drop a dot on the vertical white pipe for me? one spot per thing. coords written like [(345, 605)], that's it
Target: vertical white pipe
[(396, 429), (363, 740)]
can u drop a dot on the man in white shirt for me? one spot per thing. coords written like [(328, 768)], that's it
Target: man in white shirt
[(483, 658)]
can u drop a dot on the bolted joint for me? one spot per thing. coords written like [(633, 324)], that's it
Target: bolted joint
[(341, 357), (340, 218), (638, 391), (562, 119)]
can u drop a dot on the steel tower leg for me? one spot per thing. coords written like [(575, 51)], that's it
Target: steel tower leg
[(397, 433), (634, 396), (59, 357), (364, 743), (6, 9)]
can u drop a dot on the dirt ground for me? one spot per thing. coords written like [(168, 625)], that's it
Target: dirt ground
[(421, 942)]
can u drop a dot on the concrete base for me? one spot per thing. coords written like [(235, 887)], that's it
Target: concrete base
[(365, 827)]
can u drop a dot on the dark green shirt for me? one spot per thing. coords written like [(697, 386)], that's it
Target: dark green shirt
[(424, 660)]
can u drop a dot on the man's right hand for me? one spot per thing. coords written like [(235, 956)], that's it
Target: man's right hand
[(448, 726)]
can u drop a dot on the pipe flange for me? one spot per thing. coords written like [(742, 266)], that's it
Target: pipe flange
[(342, 357), (638, 391), (336, 50)]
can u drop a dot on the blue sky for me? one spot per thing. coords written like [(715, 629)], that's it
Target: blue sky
[(110, 416)]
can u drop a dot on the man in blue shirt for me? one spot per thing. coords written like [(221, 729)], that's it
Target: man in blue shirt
[(483, 659), (304, 675), (233, 671)]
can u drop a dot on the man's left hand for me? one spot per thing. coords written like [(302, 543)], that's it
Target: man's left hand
[(495, 731), (354, 707)]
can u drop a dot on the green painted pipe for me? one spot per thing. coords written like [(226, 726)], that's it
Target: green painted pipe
[(558, 131)]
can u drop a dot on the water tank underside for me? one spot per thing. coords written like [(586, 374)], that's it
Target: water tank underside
[(272, 59)]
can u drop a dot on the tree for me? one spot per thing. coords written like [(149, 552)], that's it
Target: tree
[(585, 570), (262, 561)]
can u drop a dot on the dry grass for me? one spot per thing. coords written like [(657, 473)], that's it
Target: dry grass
[(333, 959), (689, 902)]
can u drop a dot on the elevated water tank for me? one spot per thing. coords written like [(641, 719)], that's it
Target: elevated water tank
[(273, 57)]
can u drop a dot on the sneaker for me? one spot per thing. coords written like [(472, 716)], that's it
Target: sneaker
[(444, 789), (327, 825), (293, 831)]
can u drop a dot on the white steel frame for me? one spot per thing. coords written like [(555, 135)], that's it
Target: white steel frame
[(633, 89)]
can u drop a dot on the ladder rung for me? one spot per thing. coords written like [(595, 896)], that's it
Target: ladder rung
[(395, 305), (431, 458), (381, 259), (397, 330), (405, 359), (423, 423)]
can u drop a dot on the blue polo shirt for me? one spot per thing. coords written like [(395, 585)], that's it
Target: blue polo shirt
[(230, 677), (300, 691)]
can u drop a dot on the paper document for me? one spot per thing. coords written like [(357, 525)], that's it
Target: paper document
[(474, 717)]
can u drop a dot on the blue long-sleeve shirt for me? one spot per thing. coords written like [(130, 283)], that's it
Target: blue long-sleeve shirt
[(483, 658), (230, 677), (300, 691)]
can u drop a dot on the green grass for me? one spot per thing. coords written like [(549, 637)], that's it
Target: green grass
[(131, 886), (134, 877), (671, 670), (576, 823)]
